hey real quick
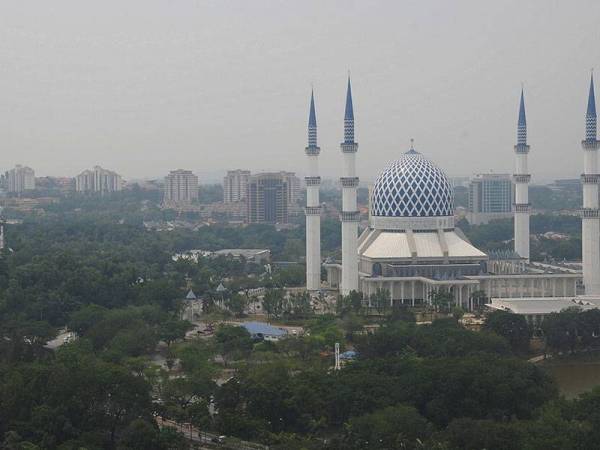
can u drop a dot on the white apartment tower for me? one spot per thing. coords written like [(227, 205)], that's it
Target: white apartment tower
[(350, 214), (313, 207), (98, 180), (181, 187), (521, 179), (590, 225), (235, 186), (20, 179)]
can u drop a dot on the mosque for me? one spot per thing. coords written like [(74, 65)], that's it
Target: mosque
[(411, 247)]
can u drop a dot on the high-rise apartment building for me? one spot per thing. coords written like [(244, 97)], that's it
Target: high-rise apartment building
[(490, 197), (268, 198), (181, 188), (98, 180), (235, 186), (20, 179), (294, 187)]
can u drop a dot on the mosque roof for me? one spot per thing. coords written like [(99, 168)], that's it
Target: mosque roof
[(432, 244), (412, 186), (539, 305)]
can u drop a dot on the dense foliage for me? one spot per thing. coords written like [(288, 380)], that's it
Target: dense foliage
[(91, 265)]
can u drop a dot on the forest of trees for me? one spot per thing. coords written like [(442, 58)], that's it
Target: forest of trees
[(92, 266)]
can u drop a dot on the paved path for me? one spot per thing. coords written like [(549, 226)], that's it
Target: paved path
[(207, 440)]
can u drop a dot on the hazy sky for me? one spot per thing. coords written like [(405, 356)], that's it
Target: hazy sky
[(146, 86)]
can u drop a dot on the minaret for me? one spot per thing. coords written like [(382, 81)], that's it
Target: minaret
[(313, 208), (590, 226), (350, 213), (521, 179)]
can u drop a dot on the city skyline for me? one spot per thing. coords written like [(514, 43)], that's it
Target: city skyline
[(145, 97)]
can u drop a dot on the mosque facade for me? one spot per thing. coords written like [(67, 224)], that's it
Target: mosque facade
[(411, 247)]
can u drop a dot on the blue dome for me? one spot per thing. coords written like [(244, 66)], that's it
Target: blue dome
[(412, 186)]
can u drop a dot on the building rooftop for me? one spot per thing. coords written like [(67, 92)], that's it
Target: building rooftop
[(540, 305), (245, 252), (265, 329), (391, 244)]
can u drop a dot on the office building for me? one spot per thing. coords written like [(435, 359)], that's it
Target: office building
[(268, 198), (490, 198)]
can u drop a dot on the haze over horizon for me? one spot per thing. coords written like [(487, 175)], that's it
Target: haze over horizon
[(144, 87)]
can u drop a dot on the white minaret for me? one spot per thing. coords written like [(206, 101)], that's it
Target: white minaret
[(590, 226), (350, 215), (521, 179), (313, 208)]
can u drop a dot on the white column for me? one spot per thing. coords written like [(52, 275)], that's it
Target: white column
[(350, 217), (521, 179), (313, 208), (590, 226)]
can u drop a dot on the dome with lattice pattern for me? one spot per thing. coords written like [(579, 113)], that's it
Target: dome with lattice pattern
[(412, 186)]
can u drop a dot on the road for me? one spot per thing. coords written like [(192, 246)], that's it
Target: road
[(208, 441)]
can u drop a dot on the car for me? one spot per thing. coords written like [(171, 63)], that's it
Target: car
[(218, 439)]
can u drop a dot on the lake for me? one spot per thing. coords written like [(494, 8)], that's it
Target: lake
[(575, 375)]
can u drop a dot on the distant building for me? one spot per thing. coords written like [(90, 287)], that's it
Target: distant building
[(62, 184), (459, 181), (490, 197), (256, 255), (567, 184), (181, 188), (294, 187), (261, 330), (20, 179), (235, 186), (98, 180), (268, 198)]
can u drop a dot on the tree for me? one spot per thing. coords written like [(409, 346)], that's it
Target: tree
[(273, 302), (174, 330), (233, 342), (398, 426), (465, 433), (478, 299), (237, 304), (512, 327), (353, 302), (381, 300), (561, 330), (299, 305), (442, 300), (351, 323), (139, 435)]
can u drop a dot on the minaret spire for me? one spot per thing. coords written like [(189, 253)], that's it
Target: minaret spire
[(522, 124), (350, 214), (312, 122), (349, 116), (313, 208), (521, 178), (590, 214), (590, 115)]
